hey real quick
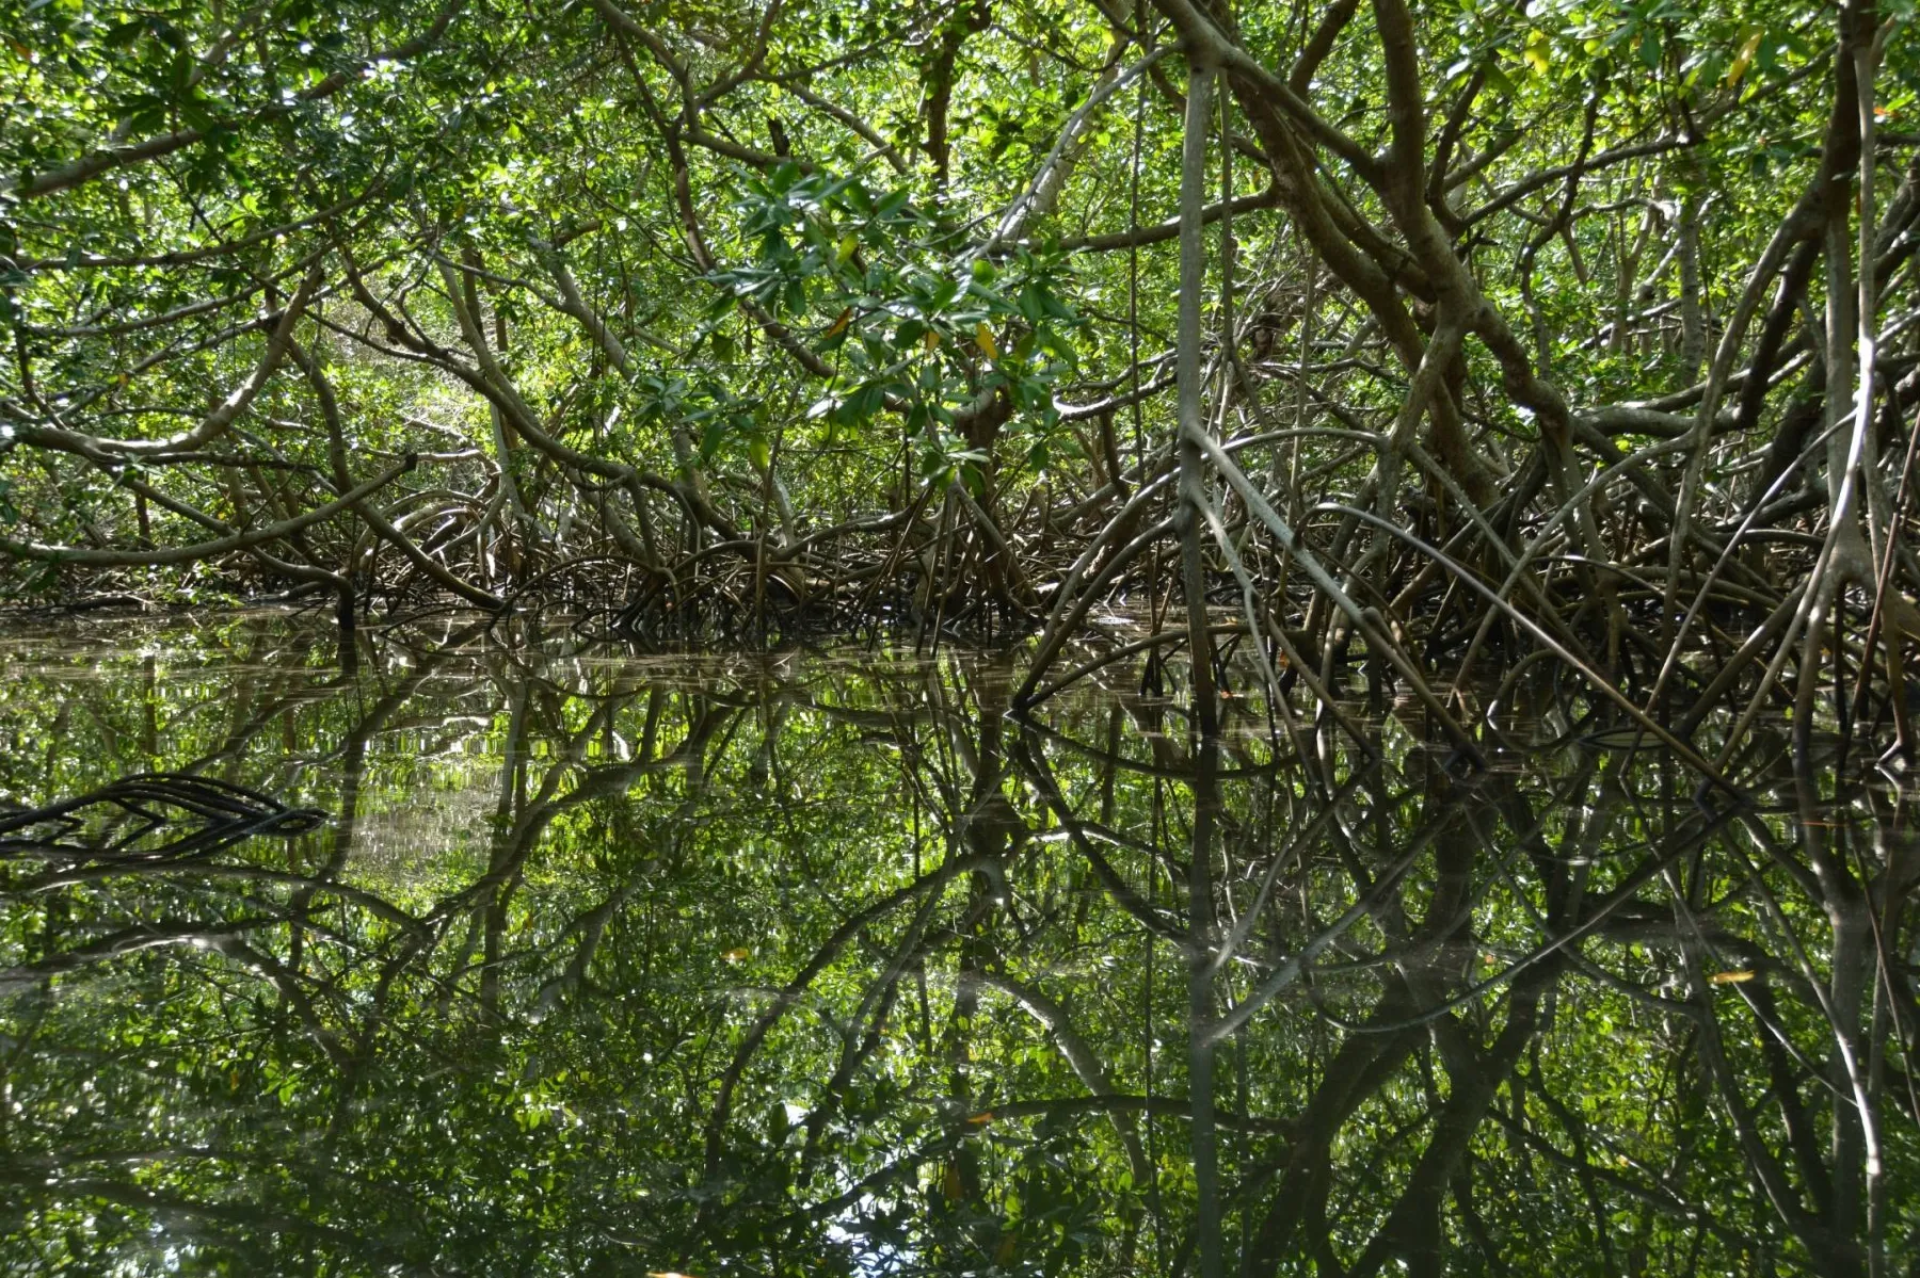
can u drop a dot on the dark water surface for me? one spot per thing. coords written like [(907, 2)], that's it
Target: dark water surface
[(593, 963)]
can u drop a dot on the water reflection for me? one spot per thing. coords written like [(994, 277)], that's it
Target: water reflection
[(605, 964)]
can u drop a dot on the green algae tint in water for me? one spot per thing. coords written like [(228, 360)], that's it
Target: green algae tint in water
[(605, 964)]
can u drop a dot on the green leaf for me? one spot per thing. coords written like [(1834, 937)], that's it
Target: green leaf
[(1538, 52)]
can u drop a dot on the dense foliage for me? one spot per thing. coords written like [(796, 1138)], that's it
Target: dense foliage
[(790, 967), (1583, 328), (1547, 372)]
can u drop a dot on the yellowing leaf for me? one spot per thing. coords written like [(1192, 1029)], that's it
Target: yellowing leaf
[(951, 1186), (983, 337), (930, 339), (843, 252), (762, 457), (1731, 978), (839, 325), (982, 1118), (1537, 52), (737, 956), (1744, 59)]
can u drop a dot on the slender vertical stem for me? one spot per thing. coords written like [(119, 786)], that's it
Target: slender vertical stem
[(1200, 1089), (1189, 520), (1188, 380), (1133, 279)]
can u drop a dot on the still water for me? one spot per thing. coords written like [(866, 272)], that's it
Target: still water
[(573, 961)]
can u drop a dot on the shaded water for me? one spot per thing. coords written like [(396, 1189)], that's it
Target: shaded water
[(601, 964)]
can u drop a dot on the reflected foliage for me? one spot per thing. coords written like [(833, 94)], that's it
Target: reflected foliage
[(604, 964)]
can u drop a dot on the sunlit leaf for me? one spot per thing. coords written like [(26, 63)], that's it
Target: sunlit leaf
[(1743, 59), (983, 338), (1537, 52)]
